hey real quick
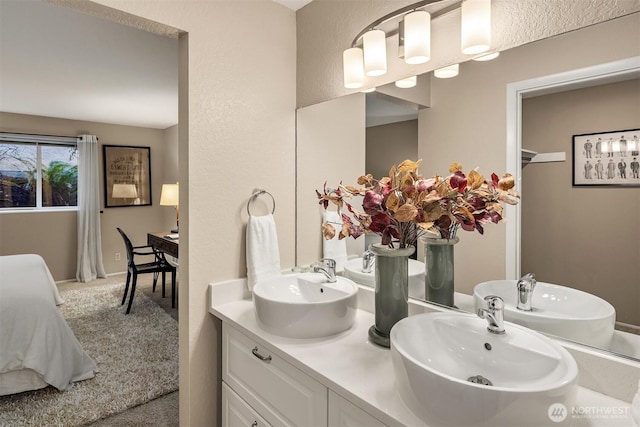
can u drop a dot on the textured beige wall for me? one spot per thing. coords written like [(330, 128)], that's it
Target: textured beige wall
[(467, 120), (53, 235), (331, 148), (587, 238), (327, 27), (389, 145), (236, 132)]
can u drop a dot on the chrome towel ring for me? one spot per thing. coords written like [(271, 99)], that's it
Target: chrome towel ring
[(255, 194)]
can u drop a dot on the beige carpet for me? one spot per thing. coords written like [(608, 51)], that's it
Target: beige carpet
[(136, 354)]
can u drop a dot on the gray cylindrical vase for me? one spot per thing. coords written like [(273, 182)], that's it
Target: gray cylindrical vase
[(392, 290), (438, 262)]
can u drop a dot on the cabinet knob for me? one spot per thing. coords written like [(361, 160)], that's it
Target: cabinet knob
[(257, 354), (254, 424)]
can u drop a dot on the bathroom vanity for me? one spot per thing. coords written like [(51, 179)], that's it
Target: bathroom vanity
[(340, 380)]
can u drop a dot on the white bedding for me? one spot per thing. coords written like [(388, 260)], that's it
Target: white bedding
[(37, 347)]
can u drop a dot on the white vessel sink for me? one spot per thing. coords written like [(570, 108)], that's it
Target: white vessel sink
[(305, 305), (353, 270), (436, 355), (558, 310)]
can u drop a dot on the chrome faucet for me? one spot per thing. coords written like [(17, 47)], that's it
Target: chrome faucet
[(326, 266), (494, 314), (368, 259), (525, 291)]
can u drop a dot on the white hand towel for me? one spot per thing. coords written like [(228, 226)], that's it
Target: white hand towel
[(635, 406), (335, 249), (263, 256)]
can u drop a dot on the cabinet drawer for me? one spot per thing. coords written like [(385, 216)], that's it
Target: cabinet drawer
[(281, 393), (343, 413), (237, 413)]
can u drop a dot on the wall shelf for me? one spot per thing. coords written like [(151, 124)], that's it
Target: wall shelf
[(529, 156)]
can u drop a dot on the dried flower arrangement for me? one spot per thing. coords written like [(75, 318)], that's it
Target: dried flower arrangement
[(403, 206)]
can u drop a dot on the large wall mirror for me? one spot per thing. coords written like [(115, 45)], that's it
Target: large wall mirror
[(581, 238)]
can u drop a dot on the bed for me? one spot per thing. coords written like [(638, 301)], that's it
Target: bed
[(37, 347)]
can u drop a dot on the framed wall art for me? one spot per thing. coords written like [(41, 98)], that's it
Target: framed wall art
[(127, 176), (607, 158)]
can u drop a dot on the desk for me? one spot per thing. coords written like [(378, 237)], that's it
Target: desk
[(158, 241), (169, 247)]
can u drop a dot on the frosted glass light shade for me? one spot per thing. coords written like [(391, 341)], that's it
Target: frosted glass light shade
[(375, 53), (353, 68), (615, 146), (447, 72), (407, 82), (417, 37), (476, 26)]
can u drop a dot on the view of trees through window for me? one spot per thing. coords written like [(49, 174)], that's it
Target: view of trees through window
[(38, 175)]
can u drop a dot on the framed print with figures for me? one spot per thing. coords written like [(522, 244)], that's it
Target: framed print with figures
[(607, 158)]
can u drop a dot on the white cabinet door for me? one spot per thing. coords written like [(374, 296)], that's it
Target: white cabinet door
[(237, 413), (343, 413), (281, 393)]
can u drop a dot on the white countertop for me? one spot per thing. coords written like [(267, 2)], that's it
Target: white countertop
[(362, 372)]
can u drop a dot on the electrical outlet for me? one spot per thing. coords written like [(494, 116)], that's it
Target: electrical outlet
[(117, 256)]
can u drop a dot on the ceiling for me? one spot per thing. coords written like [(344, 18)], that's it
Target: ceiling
[(61, 63), (58, 62)]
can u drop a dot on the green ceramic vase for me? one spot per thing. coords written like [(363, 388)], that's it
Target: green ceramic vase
[(392, 290), (438, 261)]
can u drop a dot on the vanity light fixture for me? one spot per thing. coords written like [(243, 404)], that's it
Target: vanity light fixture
[(353, 66), (375, 53), (476, 26), (412, 24), (407, 82), (417, 37), (447, 72)]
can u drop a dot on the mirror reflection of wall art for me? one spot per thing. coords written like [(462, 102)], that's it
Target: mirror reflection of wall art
[(607, 159), (127, 176)]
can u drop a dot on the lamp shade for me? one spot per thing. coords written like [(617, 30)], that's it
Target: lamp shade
[(476, 26), (447, 72), (375, 53), (417, 37), (124, 191), (353, 68), (407, 82), (169, 195)]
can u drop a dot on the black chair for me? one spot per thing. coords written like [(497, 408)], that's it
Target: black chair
[(158, 266)]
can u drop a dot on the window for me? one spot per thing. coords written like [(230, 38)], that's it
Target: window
[(36, 175)]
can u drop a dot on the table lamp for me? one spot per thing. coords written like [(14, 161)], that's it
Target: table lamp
[(170, 197)]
